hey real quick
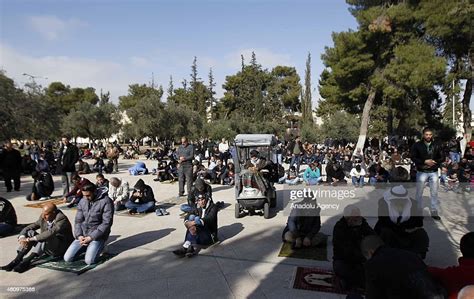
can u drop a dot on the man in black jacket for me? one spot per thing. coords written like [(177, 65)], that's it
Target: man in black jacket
[(348, 260), (43, 185), (10, 163), (54, 238), (68, 157), (201, 227), (142, 199), (428, 157), (8, 219), (395, 273)]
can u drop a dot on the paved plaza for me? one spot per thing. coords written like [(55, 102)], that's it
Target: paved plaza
[(245, 264)]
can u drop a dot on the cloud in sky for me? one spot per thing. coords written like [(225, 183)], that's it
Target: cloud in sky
[(52, 27), (74, 71)]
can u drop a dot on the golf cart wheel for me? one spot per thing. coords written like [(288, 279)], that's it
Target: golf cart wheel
[(237, 210), (266, 210), (273, 200)]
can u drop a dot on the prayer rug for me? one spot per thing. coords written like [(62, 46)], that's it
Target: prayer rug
[(78, 266), (318, 253)]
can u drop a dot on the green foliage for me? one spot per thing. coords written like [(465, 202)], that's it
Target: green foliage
[(26, 114), (341, 125), (66, 98), (137, 92), (311, 133), (92, 121)]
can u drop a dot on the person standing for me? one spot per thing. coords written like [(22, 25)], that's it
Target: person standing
[(113, 155), (185, 155), (68, 157), (10, 163), (296, 150), (428, 157)]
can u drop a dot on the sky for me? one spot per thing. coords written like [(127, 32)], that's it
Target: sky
[(110, 44)]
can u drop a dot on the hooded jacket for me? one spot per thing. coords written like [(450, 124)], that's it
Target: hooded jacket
[(147, 193), (94, 218)]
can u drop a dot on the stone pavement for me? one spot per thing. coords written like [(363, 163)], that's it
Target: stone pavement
[(244, 265)]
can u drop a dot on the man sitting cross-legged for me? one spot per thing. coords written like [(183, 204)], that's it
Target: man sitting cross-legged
[(118, 192), (303, 226), (201, 227), (142, 199), (94, 220), (399, 224), (54, 238)]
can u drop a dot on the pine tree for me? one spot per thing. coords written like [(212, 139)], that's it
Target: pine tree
[(211, 101)]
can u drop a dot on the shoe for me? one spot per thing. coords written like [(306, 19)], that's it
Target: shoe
[(22, 267), (71, 205), (190, 252), (9, 190), (180, 252), (132, 211), (156, 180), (158, 212), (17, 190), (435, 216), (11, 265), (220, 205), (164, 211)]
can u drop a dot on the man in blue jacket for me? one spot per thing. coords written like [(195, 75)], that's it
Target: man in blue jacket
[(93, 222)]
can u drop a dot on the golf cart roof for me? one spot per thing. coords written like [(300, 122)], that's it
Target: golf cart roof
[(250, 140)]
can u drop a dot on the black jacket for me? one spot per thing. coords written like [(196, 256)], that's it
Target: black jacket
[(209, 219), (7, 212), (10, 161), (69, 159), (395, 273), (147, 193), (419, 153), (47, 183), (346, 241), (415, 220), (193, 195)]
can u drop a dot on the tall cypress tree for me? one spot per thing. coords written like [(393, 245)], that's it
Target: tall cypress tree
[(307, 107)]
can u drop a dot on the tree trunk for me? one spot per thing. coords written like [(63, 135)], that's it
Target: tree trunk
[(364, 125), (467, 114)]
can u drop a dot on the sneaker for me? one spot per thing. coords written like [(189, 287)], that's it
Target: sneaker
[(164, 211), (180, 252), (158, 212), (435, 216), (11, 265), (132, 211), (156, 180), (190, 252)]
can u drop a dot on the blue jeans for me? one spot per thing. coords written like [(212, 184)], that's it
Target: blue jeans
[(433, 179), (296, 159), (5, 229), (141, 207), (313, 181), (92, 251), (358, 181), (455, 157)]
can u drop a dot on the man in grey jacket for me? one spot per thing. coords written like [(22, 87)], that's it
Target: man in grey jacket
[(185, 155), (92, 226), (54, 238)]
